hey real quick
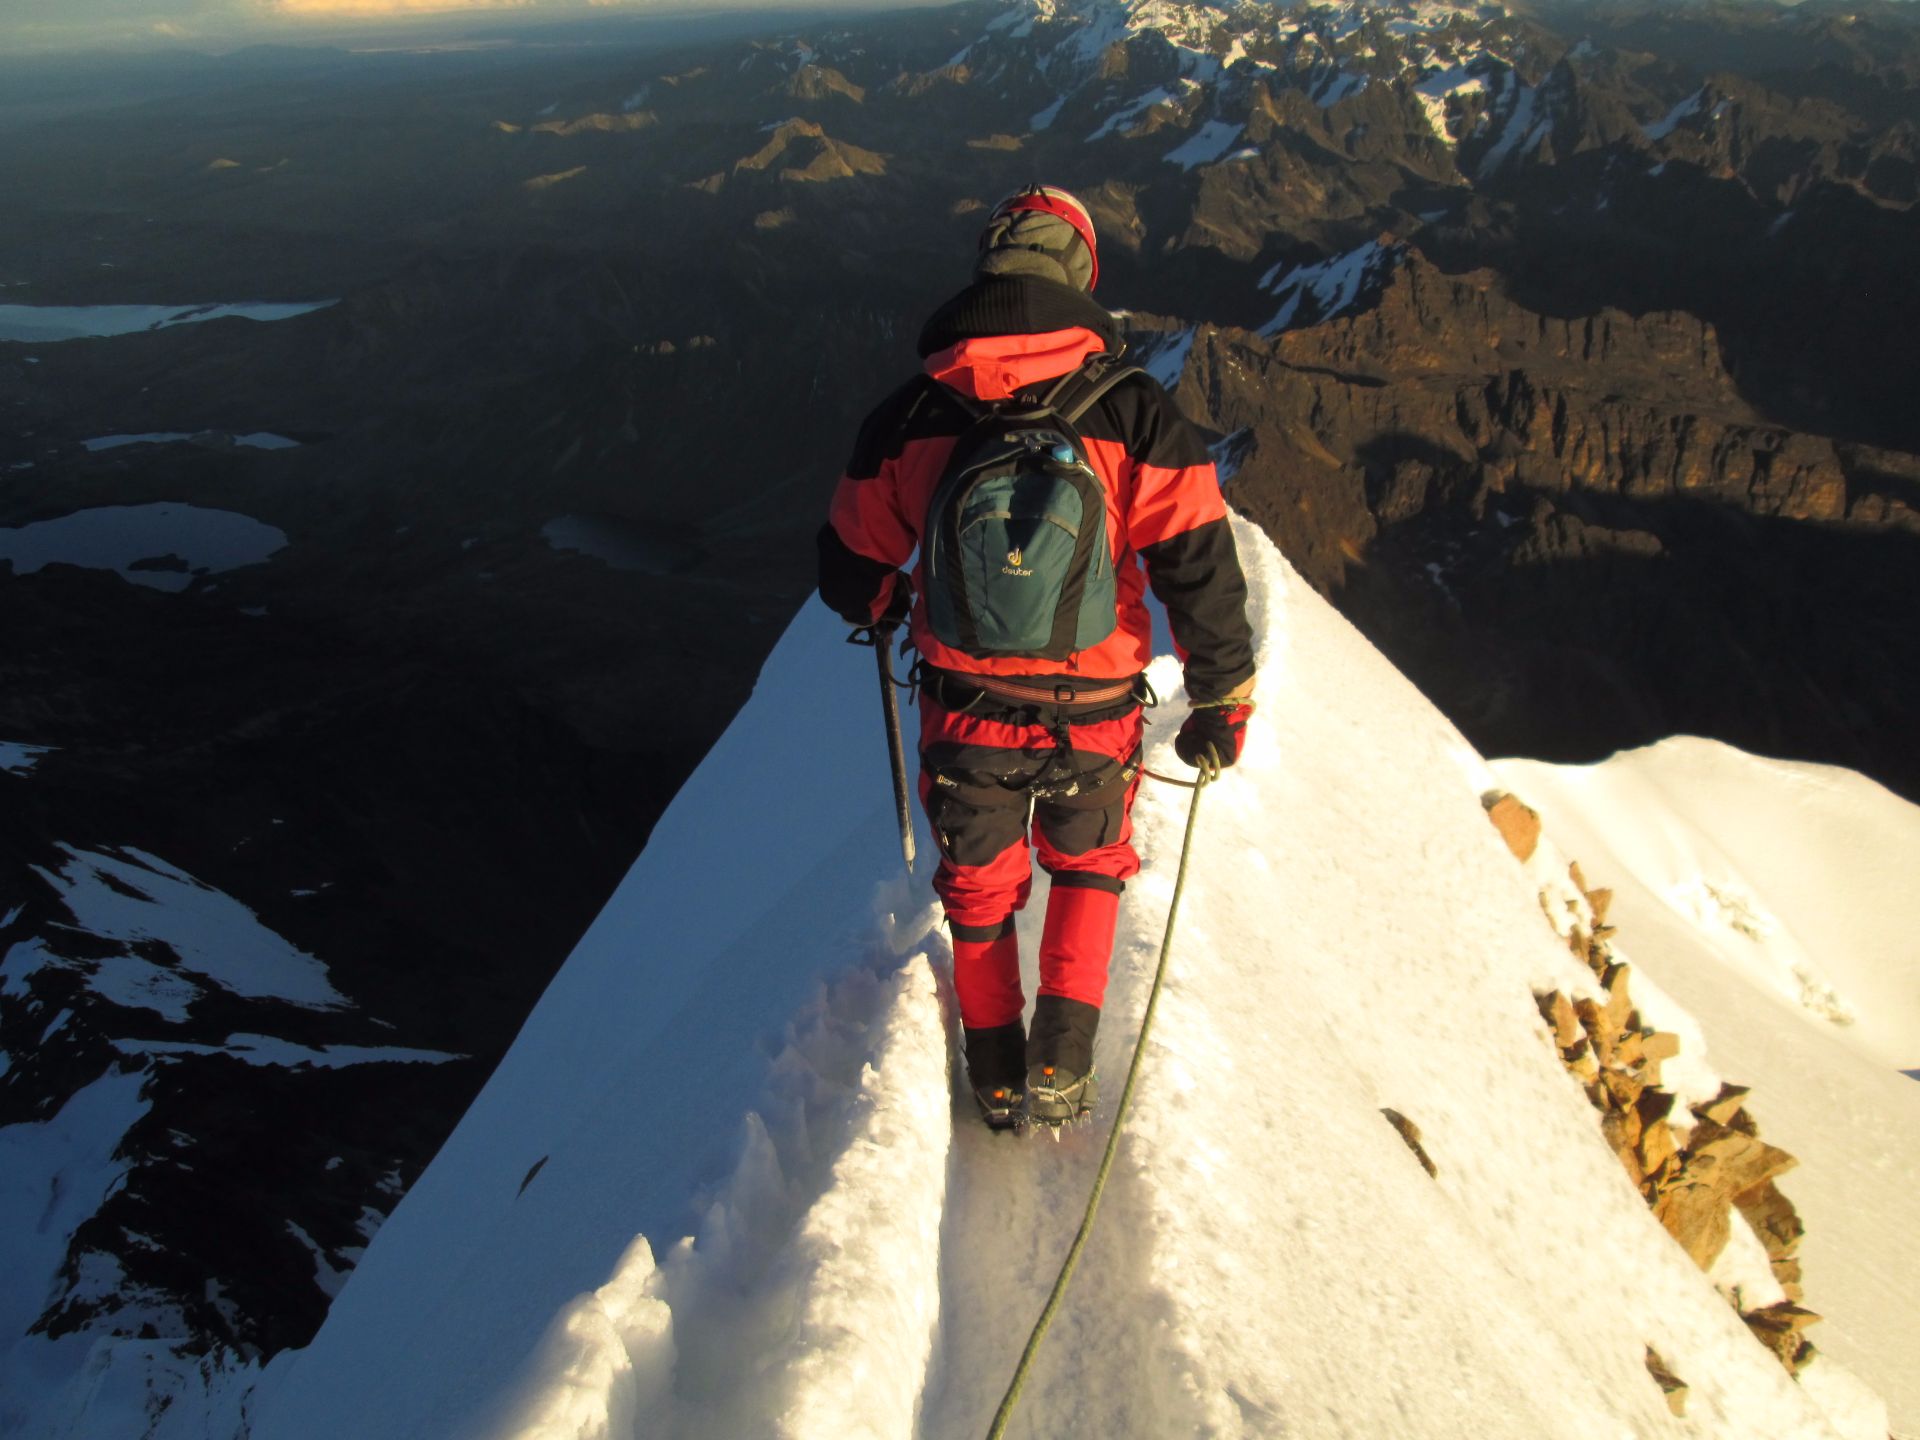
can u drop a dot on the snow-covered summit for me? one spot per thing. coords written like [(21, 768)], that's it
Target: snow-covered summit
[(758, 1060), (1198, 62)]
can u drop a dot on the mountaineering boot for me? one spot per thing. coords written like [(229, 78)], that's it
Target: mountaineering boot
[(1060, 1079), (996, 1069)]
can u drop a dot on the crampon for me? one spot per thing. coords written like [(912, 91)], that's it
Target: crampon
[(1057, 1097)]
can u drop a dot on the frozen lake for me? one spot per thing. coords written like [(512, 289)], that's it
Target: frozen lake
[(163, 546), (257, 440), (44, 324)]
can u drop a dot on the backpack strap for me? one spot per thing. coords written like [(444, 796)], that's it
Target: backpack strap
[(1094, 376), (1097, 374)]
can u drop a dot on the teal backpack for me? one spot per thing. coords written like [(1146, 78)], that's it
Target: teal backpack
[(1015, 555)]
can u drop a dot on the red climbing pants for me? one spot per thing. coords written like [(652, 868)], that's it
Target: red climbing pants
[(991, 785)]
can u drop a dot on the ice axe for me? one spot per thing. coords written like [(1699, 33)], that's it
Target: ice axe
[(880, 637)]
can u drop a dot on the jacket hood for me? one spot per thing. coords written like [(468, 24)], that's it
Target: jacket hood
[(1005, 332), (994, 366)]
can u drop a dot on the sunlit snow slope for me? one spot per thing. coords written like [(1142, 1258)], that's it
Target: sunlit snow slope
[(1272, 1259), (1775, 901)]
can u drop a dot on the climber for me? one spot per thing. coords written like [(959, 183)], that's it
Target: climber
[(1031, 628)]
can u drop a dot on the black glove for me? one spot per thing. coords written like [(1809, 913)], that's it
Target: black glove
[(899, 604), (1219, 728)]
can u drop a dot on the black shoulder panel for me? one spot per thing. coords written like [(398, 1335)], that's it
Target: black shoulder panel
[(1198, 578), (1139, 414), (914, 411)]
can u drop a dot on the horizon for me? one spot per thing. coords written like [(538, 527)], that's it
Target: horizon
[(55, 29)]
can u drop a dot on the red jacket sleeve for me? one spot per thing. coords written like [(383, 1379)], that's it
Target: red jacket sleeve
[(1177, 521), (867, 537)]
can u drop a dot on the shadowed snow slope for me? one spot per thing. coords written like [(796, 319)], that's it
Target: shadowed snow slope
[(1271, 1259)]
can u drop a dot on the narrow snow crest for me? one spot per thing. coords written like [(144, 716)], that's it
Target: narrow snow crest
[(796, 1265), (865, 1258)]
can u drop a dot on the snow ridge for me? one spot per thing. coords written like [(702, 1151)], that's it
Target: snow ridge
[(1432, 49), (1332, 287), (793, 1262), (1348, 906)]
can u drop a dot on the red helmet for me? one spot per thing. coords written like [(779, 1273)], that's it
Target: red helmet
[(1058, 203)]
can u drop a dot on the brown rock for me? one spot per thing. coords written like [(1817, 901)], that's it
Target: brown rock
[(1660, 1045), (1787, 1274), (1618, 1129), (1662, 1178), (1718, 1165), (1694, 1215), (1518, 825), (1602, 901), (1410, 1133), (1736, 1160), (1619, 1007), (1720, 1110), (1630, 1053), (1671, 1385), (1623, 1094), (1575, 874), (1655, 1105), (1581, 1062), (1593, 1019), (1773, 1219), (1779, 1327), (1557, 1011), (1656, 1147)]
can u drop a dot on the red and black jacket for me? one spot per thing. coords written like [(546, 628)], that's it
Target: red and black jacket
[(1012, 335)]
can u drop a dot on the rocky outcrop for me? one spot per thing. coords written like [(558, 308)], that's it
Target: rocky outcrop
[(1696, 1169), (822, 82), (800, 150), (625, 123), (1556, 525), (1502, 397)]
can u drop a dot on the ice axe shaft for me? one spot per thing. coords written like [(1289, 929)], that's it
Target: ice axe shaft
[(882, 641)]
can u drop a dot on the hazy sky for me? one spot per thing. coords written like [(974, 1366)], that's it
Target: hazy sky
[(44, 24)]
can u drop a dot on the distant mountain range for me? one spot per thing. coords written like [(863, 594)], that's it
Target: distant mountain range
[(1566, 348)]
